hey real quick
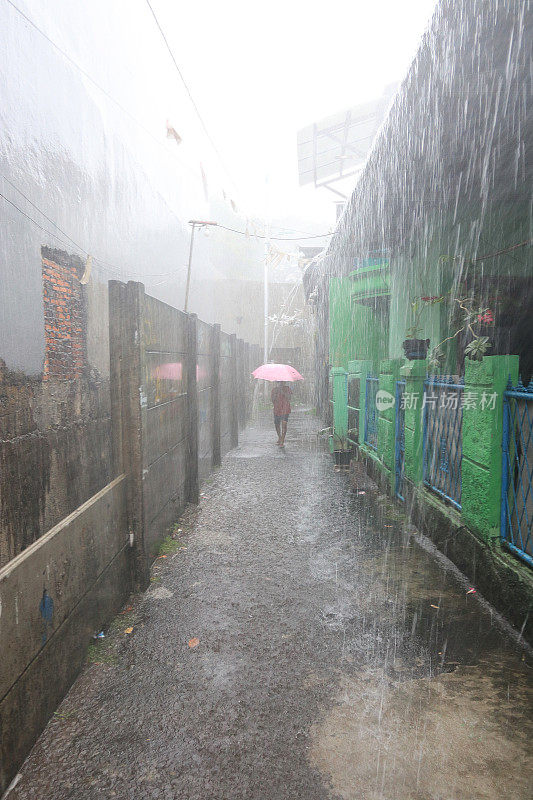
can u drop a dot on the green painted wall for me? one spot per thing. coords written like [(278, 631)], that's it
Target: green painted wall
[(357, 330), (453, 255), (388, 375), (482, 443), (370, 331), (438, 264), (414, 373), (412, 277), (359, 369), (340, 407), (341, 332)]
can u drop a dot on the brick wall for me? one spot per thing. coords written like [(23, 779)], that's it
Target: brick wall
[(65, 317)]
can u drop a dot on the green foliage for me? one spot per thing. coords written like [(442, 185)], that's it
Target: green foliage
[(477, 348), (169, 545), (101, 652), (417, 307), (435, 359), (104, 651), (64, 714), (470, 319), (411, 332)]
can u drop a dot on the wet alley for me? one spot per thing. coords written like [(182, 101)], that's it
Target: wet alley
[(338, 656)]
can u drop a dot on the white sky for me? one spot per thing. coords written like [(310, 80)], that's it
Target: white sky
[(259, 71)]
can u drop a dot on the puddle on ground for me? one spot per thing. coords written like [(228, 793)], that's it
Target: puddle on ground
[(434, 698), (460, 736)]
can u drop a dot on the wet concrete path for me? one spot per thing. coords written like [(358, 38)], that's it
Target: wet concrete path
[(337, 658)]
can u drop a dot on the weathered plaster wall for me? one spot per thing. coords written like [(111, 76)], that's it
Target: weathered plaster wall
[(70, 525), (55, 443), (89, 153)]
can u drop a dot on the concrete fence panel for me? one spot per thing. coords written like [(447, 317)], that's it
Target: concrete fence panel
[(205, 399), (53, 597), (176, 396), (164, 399), (226, 392)]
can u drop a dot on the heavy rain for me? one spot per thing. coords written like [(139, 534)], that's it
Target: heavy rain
[(266, 400)]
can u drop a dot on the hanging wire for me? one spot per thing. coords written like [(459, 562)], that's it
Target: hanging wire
[(141, 126), (119, 272), (106, 266), (276, 238), (191, 98), (51, 221), (98, 86), (53, 235)]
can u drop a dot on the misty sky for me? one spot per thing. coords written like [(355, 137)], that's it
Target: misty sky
[(283, 65)]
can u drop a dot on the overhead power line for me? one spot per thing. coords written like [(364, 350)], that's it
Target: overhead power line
[(81, 251), (114, 269), (134, 119), (109, 267), (41, 227), (282, 229), (51, 221), (95, 83), (275, 238), (191, 98), (65, 238)]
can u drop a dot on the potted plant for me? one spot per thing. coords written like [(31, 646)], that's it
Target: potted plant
[(342, 450), (413, 347)]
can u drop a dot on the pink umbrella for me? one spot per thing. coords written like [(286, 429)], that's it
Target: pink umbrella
[(277, 372)]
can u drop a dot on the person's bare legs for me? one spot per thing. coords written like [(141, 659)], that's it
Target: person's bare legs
[(278, 430), (283, 432)]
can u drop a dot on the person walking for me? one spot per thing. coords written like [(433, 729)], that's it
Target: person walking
[(281, 400)]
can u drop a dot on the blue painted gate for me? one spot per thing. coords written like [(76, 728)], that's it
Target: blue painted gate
[(517, 471), (443, 436)]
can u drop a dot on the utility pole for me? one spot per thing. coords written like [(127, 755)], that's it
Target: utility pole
[(195, 223), (265, 291), (265, 273)]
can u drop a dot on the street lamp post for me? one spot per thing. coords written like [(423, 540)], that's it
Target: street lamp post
[(195, 223)]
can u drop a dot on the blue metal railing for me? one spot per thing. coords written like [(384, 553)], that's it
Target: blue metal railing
[(517, 470), (443, 436), (399, 456), (371, 412)]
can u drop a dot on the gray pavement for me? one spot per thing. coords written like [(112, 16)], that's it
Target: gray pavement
[(337, 658)]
